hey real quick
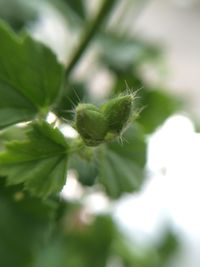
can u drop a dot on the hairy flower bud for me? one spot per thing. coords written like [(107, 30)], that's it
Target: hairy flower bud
[(118, 112), (91, 124)]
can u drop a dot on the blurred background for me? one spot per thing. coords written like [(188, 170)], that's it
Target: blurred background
[(150, 46)]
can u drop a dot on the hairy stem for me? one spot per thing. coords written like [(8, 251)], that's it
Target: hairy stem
[(91, 29)]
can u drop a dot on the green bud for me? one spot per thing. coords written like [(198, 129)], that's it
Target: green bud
[(118, 113), (91, 124)]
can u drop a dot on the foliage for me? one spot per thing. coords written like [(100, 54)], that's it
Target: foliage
[(39, 161), (25, 225), (24, 92), (37, 227)]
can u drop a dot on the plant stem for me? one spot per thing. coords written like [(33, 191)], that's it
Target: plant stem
[(91, 29)]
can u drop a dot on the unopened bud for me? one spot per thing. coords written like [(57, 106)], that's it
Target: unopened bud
[(91, 124), (118, 113)]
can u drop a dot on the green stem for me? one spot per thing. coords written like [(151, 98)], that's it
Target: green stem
[(90, 32), (76, 146)]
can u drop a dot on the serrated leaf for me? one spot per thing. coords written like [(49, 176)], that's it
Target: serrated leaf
[(39, 162), (30, 77), (121, 166)]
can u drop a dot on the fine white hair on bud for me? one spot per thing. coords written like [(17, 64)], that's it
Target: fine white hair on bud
[(96, 125), (118, 112), (91, 124)]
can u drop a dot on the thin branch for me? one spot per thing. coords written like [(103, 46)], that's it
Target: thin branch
[(91, 30)]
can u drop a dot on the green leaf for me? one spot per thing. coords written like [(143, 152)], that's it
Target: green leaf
[(10, 134), (168, 244), (72, 10), (121, 166), (25, 225), (17, 12), (86, 169), (121, 52), (40, 161), (81, 245), (30, 78), (158, 106), (77, 6)]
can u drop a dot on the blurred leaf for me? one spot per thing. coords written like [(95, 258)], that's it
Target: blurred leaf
[(121, 165), (12, 133), (30, 78), (39, 161), (130, 253), (86, 169), (71, 10), (168, 245), (77, 6), (25, 224), (17, 13), (158, 106), (81, 247), (122, 52), (73, 94), (127, 81), (151, 255)]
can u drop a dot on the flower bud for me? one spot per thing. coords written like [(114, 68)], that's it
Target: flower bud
[(118, 113), (91, 124)]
